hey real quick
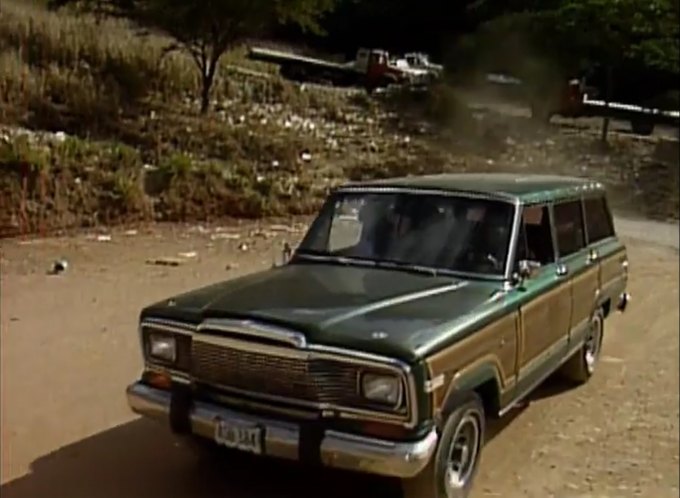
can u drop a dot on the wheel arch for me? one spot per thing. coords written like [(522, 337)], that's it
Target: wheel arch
[(484, 380)]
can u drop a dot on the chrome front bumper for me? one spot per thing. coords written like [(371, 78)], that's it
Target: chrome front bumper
[(282, 439)]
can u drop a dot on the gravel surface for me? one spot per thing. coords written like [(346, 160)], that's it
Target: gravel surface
[(654, 232), (69, 347)]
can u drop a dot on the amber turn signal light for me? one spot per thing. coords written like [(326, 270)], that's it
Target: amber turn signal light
[(387, 431), (159, 380)]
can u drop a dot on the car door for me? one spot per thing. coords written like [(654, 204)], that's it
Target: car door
[(577, 265), (605, 249), (544, 300)]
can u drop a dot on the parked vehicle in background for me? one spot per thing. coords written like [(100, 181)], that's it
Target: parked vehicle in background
[(371, 69), (420, 60), (413, 310), (576, 100)]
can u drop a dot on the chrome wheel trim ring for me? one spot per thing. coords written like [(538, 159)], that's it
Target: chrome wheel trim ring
[(462, 457)]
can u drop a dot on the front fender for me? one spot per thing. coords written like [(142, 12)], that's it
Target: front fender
[(483, 378)]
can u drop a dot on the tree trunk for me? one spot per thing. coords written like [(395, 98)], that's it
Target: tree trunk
[(206, 84), (607, 98), (207, 79)]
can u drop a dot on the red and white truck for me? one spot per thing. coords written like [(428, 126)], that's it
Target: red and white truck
[(371, 68)]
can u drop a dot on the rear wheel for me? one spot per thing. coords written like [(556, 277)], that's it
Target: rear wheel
[(453, 467), (294, 72), (642, 127), (540, 111), (581, 367)]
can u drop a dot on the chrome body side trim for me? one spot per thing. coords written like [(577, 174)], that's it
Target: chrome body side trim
[(282, 439), (542, 358), (573, 349)]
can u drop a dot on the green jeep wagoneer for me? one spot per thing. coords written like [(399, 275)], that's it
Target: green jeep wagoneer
[(413, 309)]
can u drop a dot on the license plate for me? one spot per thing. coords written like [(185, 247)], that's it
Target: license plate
[(237, 436)]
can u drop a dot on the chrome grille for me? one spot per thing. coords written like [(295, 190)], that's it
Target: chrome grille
[(295, 377)]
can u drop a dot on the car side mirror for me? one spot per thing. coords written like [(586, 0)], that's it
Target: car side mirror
[(527, 269)]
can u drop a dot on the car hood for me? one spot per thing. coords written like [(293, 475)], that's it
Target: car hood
[(383, 311)]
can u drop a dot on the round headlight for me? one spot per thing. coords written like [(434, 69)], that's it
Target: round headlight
[(382, 388), (163, 347)]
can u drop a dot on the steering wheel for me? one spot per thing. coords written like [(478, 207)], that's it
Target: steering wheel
[(494, 261), (483, 262)]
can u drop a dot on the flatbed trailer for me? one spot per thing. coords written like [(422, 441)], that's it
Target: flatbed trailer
[(372, 68), (302, 68), (573, 101), (643, 120)]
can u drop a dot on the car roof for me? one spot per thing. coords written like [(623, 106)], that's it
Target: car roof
[(524, 188)]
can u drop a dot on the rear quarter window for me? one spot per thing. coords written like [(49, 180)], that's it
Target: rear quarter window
[(598, 219), (569, 227)]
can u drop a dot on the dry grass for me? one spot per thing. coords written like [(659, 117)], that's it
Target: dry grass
[(101, 79), (127, 102), (77, 62), (84, 66), (59, 184)]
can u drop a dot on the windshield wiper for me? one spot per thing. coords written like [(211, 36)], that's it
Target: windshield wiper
[(329, 258), (409, 267), (354, 261)]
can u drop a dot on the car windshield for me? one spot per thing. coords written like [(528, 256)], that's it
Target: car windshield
[(449, 233)]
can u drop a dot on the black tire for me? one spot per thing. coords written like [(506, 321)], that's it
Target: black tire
[(581, 367), (432, 481), (540, 112), (642, 127), (383, 82), (294, 72)]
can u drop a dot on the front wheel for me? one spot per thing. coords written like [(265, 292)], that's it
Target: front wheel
[(453, 467)]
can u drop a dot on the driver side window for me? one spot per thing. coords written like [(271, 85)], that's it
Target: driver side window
[(535, 237)]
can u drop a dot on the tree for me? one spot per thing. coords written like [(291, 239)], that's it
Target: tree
[(611, 32), (576, 34), (206, 29)]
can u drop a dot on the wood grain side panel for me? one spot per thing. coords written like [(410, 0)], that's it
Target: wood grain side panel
[(545, 320), (585, 288), (611, 269), (495, 344)]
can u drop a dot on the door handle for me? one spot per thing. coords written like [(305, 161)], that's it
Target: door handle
[(593, 256), (561, 270)]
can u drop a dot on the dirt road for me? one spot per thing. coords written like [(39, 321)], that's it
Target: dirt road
[(69, 347)]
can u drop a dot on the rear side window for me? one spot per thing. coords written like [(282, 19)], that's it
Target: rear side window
[(569, 227), (598, 219)]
